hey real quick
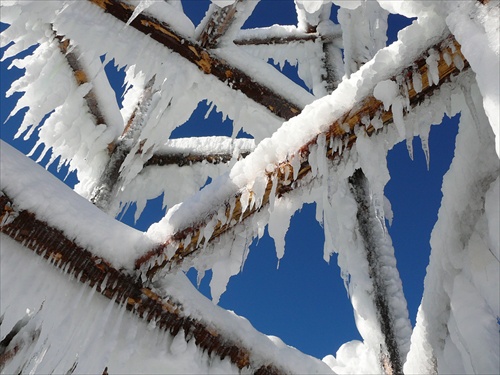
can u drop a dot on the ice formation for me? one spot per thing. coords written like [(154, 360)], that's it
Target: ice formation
[(457, 323)]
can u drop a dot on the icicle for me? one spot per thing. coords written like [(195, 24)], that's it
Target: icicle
[(199, 277), (377, 121), (259, 189), (409, 146), (432, 67), (447, 58), (417, 81), (187, 241), (424, 138), (143, 5), (312, 158), (232, 205), (212, 105), (346, 143), (295, 163), (469, 101), (209, 230), (321, 156), (244, 200), (458, 61), (397, 113), (272, 194)]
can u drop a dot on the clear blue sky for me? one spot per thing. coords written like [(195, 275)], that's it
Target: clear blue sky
[(304, 301)]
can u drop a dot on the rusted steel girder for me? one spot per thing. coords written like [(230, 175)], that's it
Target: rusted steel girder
[(52, 244), (342, 130), (207, 61)]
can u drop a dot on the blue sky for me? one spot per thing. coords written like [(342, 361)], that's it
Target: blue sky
[(304, 302)]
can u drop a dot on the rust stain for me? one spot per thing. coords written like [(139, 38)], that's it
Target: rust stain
[(80, 77), (194, 50), (205, 63), (101, 3), (56, 256), (161, 29)]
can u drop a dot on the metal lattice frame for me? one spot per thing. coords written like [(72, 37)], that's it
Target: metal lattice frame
[(53, 244)]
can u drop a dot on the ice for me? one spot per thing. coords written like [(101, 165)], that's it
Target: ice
[(386, 91), (143, 4), (457, 327), (432, 67), (455, 285), (417, 81), (282, 212)]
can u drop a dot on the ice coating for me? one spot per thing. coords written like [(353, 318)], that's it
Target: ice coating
[(462, 287)]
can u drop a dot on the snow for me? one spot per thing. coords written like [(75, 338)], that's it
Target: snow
[(77, 324), (35, 190), (462, 277), (457, 322)]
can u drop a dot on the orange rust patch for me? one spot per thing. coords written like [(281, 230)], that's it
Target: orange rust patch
[(205, 63), (80, 77), (160, 28)]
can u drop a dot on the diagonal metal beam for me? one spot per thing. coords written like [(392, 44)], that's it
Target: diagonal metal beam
[(72, 57), (448, 51), (207, 61), (125, 290)]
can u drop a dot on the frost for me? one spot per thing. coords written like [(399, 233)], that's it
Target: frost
[(457, 327)]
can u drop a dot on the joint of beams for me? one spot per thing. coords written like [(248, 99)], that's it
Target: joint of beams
[(342, 130)]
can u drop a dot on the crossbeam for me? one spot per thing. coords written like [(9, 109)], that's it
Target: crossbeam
[(449, 53), (206, 60)]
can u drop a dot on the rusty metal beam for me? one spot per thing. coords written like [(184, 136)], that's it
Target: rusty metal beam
[(207, 61), (369, 107)]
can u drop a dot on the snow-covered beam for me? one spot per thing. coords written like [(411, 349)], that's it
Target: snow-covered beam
[(125, 290), (206, 60), (279, 34), (218, 23), (373, 236), (81, 77), (182, 159), (106, 186), (449, 61)]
